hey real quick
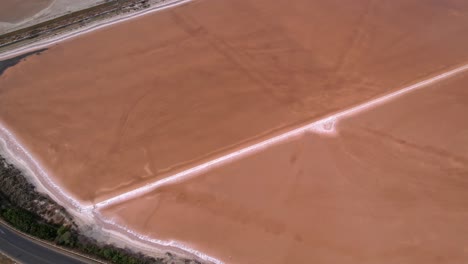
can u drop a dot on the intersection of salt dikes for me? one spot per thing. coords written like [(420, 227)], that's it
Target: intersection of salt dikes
[(129, 105)]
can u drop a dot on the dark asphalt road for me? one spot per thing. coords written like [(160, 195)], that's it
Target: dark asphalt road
[(30, 252)]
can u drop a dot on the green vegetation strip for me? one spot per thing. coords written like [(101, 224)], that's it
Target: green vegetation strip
[(22, 207)]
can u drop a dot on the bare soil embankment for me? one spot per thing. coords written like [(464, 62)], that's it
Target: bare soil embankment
[(6, 260)]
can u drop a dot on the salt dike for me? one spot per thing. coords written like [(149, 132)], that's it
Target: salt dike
[(257, 131), (388, 187)]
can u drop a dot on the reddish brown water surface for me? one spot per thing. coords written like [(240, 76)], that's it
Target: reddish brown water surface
[(112, 110), (391, 187), (14, 11)]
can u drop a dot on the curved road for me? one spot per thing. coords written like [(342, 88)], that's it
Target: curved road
[(27, 251)]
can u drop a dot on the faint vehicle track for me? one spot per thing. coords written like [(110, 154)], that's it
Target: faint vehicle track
[(325, 125), (5, 64)]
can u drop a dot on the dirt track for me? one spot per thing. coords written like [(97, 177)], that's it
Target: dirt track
[(14, 11)]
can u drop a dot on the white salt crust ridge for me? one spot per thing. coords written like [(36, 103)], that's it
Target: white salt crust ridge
[(92, 27), (14, 150), (325, 126), (144, 240), (18, 153)]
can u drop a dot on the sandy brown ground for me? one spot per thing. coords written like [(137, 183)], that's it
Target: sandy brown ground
[(390, 188), (14, 11), (5, 260), (18, 14), (121, 107)]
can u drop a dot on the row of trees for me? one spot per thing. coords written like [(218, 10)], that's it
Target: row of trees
[(30, 212), (32, 224)]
